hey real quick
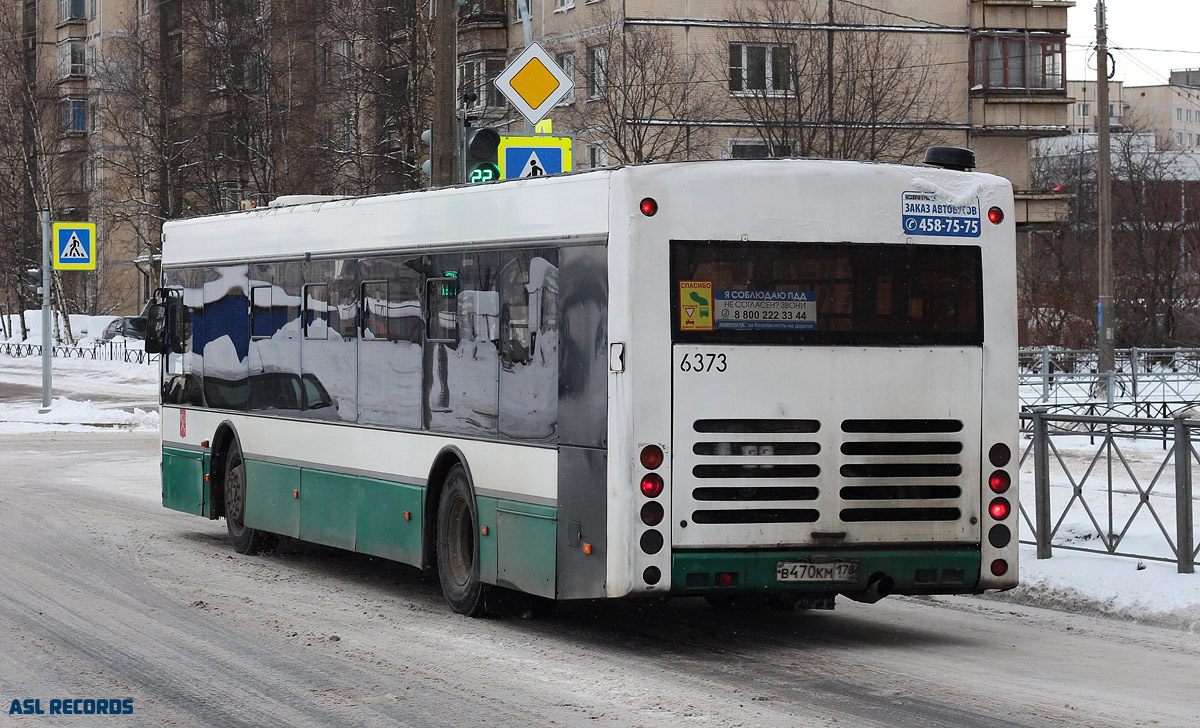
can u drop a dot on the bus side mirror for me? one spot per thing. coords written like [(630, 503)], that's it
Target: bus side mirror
[(156, 328), (177, 326)]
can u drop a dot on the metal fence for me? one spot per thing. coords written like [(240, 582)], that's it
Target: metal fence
[(101, 351), (1166, 380), (1098, 488)]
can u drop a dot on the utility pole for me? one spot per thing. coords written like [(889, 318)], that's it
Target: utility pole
[(1104, 184), (442, 145), (47, 342), (829, 81)]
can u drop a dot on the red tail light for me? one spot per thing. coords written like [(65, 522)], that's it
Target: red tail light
[(652, 485), (999, 567), (996, 215), (999, 481), (999, 509), (652, 457), (726, 579), (649, 207)]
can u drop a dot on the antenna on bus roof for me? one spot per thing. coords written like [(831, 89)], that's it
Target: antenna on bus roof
[(955, 158)]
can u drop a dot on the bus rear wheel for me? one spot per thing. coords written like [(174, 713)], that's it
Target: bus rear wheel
[(245, 540), (458, 545)]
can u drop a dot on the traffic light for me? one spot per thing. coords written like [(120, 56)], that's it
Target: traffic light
[(480, 146), (427, 165), (33, 285)]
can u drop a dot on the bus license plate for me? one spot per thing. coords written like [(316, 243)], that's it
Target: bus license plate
[(808, 571)]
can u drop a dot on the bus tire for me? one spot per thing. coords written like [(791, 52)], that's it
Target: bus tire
[(245, 540), (458, 545)]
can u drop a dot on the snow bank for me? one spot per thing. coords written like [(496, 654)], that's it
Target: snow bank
[(67, 415), (1149, 592)]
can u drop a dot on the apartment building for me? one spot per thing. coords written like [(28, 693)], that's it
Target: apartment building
[(247, 99), (772, 78), (1171, 111), (1083, 112)]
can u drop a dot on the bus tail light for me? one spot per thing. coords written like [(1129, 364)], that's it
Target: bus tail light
[(652, 575), (652, 485), (648, 206), (727, 578), (999, 481), (652, 457), (999, 567), (652, 513), (999, 455), (999, 509), (996, 215)]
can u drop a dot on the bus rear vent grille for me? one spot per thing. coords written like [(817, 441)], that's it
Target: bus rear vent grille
[(743, 454), (901, 470)]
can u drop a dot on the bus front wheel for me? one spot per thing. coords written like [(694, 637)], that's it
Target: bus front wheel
[(245, 540), (458, 545)]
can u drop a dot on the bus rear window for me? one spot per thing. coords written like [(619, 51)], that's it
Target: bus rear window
[(852, 294)]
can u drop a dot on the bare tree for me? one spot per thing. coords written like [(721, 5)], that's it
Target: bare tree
[(40, 169), (1154, 253), (808, 89), (643, 95), (374, 79)]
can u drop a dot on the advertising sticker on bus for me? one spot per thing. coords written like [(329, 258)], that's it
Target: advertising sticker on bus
[(766, 310), (695, 306), (925, 214)]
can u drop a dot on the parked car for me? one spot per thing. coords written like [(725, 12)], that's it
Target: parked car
[(131, 327)]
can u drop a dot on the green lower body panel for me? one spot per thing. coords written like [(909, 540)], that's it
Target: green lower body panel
[(525, 547), (272, 498), (328, 508), (517, 541), (183, 486), (389, 520), (916, 571)]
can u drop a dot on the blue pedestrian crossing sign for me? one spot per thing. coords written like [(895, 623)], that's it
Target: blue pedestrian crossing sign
[(74, 245), (533, 156)]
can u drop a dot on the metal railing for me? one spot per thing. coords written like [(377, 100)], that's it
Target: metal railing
[(1101, 492), (101, 351), (1160, 382)]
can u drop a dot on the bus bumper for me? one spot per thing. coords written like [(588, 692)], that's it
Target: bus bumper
[(912, 571)]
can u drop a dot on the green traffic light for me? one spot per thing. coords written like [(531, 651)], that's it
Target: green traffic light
[(486, 172)]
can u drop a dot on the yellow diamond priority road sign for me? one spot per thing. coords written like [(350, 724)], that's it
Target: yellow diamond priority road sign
[(534, 83)]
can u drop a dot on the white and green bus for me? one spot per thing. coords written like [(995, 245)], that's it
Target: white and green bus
[(753, 381)]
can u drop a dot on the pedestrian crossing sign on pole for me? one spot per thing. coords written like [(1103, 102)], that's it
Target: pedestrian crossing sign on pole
[(533, 156), (74, 245)]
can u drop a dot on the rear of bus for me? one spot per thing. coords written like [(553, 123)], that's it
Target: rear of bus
[(812, 389)]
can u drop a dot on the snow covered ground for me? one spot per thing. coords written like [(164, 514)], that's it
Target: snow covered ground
[(103, 396)]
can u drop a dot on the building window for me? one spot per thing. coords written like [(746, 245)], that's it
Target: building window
[(71, 10), (1085, 110), (566, 61), (72, 59), (1179, 137), (95, 110), (75, 115), (597, 155), (479, 77), (1014, 62), (1178, 113), (760, 68), (145, 6), (597, 71), (1189, 115), (346, 57), (756, 149), (563, 5)]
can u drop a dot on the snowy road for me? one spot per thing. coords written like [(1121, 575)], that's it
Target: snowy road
[(106, 594)]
